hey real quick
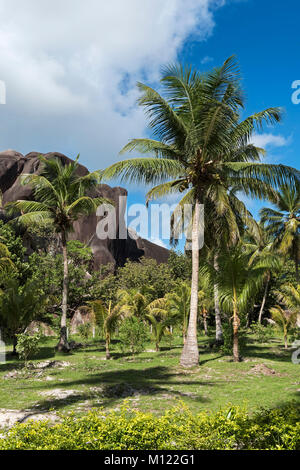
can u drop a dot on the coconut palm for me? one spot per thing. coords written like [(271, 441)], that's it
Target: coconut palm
[(179, 305), (61, 197), (200, 148), (289, 295), (285, 320), (260, 247), (284, 222), (132, 303), (238, 282), (107, 318), (161, 318)]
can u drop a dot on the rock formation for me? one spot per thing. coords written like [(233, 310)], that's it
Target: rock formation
[(14, 164)]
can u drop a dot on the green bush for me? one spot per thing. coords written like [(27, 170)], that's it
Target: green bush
[(234, 428), (133, 336), (27, 346), (85, 330), (263, 333)]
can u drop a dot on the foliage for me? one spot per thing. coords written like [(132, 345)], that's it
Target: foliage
[(47, 271), (283, 223), (27, 346), (227, 346), (262, 333), (84, 330), (19, 305), (161, 318), (228, 429), (151, 279), (133, 336)]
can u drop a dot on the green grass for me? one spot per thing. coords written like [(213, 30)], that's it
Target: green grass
[(156, 379)]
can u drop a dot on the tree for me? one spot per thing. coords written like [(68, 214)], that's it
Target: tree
[(284, 319), (107, 318), (161, 318), (289, 295), (133, 303), (260, 247), (60, 198), (179, 305), (238, 282), (19, 305), (283, 224), (202, 150)]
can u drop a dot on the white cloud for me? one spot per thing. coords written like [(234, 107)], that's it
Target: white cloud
[(270, 140), (206, 59), (70, 68)]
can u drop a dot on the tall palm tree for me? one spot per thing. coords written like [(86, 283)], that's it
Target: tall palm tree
[(107, 318), (284, 222), (61, 197), (201, 149)]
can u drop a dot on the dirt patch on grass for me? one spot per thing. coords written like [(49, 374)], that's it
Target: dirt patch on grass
[(262, 369), (10, 417)]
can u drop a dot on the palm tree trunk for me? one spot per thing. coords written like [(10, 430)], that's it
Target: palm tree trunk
[(190, 352), (261, 311), (63, 344), (285, 341), (236, 323), (219, 331), (205, 322), (107, 351)]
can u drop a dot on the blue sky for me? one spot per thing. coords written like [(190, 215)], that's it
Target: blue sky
[(70, 69), (264, 36)]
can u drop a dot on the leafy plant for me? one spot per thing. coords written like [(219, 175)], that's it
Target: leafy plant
[(133, 336), (27, 346)]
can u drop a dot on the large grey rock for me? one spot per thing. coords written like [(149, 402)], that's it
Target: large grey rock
[(13, 164)]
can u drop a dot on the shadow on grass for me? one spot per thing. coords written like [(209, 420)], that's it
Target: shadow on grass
[(263, 352), (115, 385)]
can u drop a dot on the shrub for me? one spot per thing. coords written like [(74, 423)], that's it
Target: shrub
[(27, 346), (85, 330), (133, 336), (263, 333), (230, 429)]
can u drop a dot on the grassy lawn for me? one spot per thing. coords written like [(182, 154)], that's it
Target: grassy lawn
[(150, 381)]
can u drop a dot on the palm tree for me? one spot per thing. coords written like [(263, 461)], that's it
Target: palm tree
[(289, 295), (284, 222), (179, 305), (107, 318), (260, 247), (238, 282), (205, 298), (161, 318), (132, 303), (201, 149), (285, 320), (60, 198)]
